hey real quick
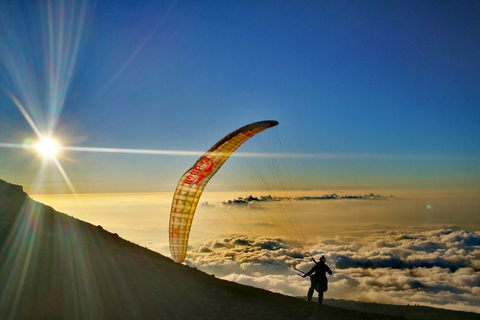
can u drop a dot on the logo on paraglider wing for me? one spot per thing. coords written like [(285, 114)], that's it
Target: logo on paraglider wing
[(200, 172), (248, 134)]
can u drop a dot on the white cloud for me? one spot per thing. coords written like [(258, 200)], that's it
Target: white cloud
[(435, 268)]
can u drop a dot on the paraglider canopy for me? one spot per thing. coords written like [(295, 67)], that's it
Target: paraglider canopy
[(191, 184)]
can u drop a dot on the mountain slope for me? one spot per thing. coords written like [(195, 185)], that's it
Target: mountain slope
[(53, 266)]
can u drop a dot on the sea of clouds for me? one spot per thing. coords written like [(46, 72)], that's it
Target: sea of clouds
[(439, 268)]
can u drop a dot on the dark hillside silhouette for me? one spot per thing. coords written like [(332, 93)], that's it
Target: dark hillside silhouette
[(53, 266)]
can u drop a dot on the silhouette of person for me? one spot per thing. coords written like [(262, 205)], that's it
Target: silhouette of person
[(318, 279)]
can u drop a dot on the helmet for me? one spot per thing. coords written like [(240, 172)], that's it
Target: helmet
[(322, 258)]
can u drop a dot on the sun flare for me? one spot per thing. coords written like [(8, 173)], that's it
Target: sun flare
[(47, 148)]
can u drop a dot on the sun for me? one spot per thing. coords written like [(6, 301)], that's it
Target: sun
[(47, 147)]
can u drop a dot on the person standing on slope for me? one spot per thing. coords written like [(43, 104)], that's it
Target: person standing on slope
[(318, 278)]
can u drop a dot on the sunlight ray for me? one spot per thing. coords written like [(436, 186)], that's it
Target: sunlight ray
[(26, 115), (134, 151), (321, 156), (64, 175), (40, 176), (65, 28), (13, 145), (138, 50)]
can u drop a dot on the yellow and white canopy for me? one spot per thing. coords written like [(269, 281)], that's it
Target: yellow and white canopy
[(192, 183)]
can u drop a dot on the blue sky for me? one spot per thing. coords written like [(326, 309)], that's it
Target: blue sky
[(369, 95), (388, 89)]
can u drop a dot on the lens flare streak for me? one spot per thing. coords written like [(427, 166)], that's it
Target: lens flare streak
[(26, 115), (64, 175)]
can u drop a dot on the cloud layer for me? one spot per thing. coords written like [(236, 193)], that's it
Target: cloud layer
[(332, 196), (439, 268)]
